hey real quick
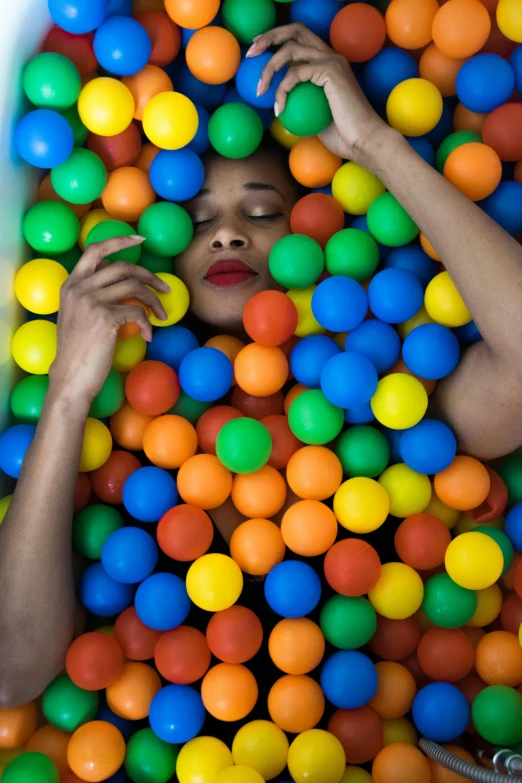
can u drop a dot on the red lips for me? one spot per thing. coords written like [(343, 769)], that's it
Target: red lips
[(229, 272)]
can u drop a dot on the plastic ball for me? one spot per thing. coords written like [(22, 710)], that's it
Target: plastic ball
[(360, 733), (361, 505), (311, 163), (202, 759), (107, 229), (80, 16), (177, 714), (352, 567), (292, 589), (224, 130), (348, 622), (400, 762), (440, 712), (102, 595), (91, 528), (51, 227), (296, 646), (363, 451), (431, 351), (214, 582), (385, 71), (182, 655), (353, 253), (314, 473), (314, 419), (51, 81), (205, 374), (444, 303), (428, 447), (376, 340), (204, 482), (148, 493), (171, 344), (243, 445), (446, 603), (66, 706), (475, 169), (309, 528), (170, 120), (76, 47), (168, 231), (358, 32), (461, 28), (421, 541), (44, 138), (169, 441), (355, 188), (192, 14), (339, 304), (147, 756), (307, 111), (162, 602), (37, 285), (505, 206), (499, 659), (398, 593), (164, 35), (14, 443), (474, 561), (270, 318), (261, 746), (129, 555), (348, 379), (396, 689), (246, 22), (497, 714), (296, 703), (213, 55), (395, 295), (296, 261), (485, 82), (127, 193), (309, 356), (513, 526), (52, 743), (316, 756), (464, 485), (445, 654), (234, 635), (135, 639), (257, 546), (389, 223), (18, 726), (408, 23), (122, 45), (106, 106), (176, 175), (248, 76), (414, 107), (239, 774), (94, 661), (400, 401), (229, 691), (318, 216), (152, 388), (31, 765)]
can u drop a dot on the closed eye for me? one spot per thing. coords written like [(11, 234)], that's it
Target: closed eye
[(274, 216)]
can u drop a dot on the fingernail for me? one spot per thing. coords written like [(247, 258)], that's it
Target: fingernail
[(258, 88), (137, 237), (250, 51), (276, 109)]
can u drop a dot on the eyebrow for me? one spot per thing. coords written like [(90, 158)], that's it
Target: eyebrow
[(250, 186)]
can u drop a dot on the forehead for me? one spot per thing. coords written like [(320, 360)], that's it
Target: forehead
[(226, 176)]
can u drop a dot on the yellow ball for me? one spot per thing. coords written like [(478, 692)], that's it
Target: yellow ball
[(281, 135), (361, 505), (400, 401), (306, 322), (88, 222), (356, 775), (108, 630), (398, 730), (398, 593), (409, 492), (37, 285), (488, 606), (239, 774), (97, 445), (414, 107), (202, 759), (355, 188), (316, 756), (444, 303), (170, 120), (106, 106), (509, 19), (34, 346), (175, 302), (419, 319), (438, 509), (5, 502), (128, 353), (214, 582), (263, 746), (474, 561)]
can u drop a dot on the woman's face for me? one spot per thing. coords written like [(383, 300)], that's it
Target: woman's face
[(242, 210)]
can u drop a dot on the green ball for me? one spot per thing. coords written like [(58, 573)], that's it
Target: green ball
[(307, 111), (497, 714), (348, 623), (149, 759), (108, 229), (51, 81), (51, 227), (508, 552), (352, 253), (66, 706), (27, 398), (451, 143), (363, 451), (510, 470), (156, 264), (446, 603), (246, 20), (81, 178), (79, 130), (189, 408), (313, 419), (110, 398), (389, 223), (92, 526), (167, 228), (243, 445), (69, 259), (235, 130), (296, 261), (31, 768)]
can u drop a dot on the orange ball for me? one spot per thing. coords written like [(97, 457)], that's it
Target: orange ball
[(358, 32), (94, 661), (461, 28), (131, 328), (309, 528), (409, 22), (359, 731), (296, 703), (182, 655), (204, 482), (128, 427), (229, 691), (185, 532), (318, 216), (499, 659), (421, 541), (136, 639), (165, 36), (257, 546), (192, 13), (284, 442), (400, 763), (257, 407), (131, 695), (258, 495), (296, 646), (440, 69), (314, 473), (144, 85), (122, 149), (440, 774), (52, 742), (146, 156), (395, 692), (465, 119), (464, 484), (169, 441), (213, 55), (127, 194), (96, 751), (227, 344), (152, 387), (234, 635), (445, 654), (261, 370), (475, 169), (312, 164), (428, 247), (46, 192), (270, 318), (17, 724)]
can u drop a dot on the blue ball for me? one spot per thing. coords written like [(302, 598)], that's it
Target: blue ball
[(102, 595), (362, 414), (376, 340), (428, 447), (422, 147), (513, 526), (77, 16), (316, 16), (505, 206), (210, 96), (394, 438), (292, 589), (44, 138), (162, 601), (516, 63), (127, 727), (171, 344), (201, 143), (309, 356), (14, 442), (468, 334), (177, 175), (122, 45), (265, 115), (349, 380), (177, 714), (431, 351), (119, 8), (349, 679), (485, 82), (247, 78), (440, 712), (385, 71), (120, 776), (206, 374), (339, 303), (148, 493), (395, 295), (129, 555), (442, 129), (412, 258)]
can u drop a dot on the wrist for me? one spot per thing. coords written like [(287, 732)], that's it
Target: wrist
[(375, 146), (68, 399)]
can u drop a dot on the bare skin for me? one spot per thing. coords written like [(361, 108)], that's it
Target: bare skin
[(481, 400)]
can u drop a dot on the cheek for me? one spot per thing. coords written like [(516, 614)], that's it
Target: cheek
[(266, 238)]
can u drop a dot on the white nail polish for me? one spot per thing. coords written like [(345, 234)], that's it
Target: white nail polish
[(136, 236), (258, 89), (250, 51), (276, 109)]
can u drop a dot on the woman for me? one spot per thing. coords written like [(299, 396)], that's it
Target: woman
[(242, 210)]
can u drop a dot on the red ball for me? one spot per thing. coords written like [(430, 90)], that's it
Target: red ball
[(394, 640), (502, 130), (284, 442), (352, 567), (136, 639), (182, 655), (445, 654), (471, 686), (318, 216), (511, 613), (82, 491), (210, 423), (421, 541), (185, 532), (257, 407), (78, 48), (270, 318), (94, 661), (358, 32), (359, 732), (152, 388), (234, 635), (115, 151), (108, 480), (164, 35)]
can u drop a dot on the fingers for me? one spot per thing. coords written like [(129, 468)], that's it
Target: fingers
[(96, 252), (133, 314), (310, 72), (120, 270), (280, 35), (132, 289), (290, 52)]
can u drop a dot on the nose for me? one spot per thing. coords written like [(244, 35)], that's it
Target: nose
[(229, 234)]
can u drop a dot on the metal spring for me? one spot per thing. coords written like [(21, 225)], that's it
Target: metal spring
[(512, 762)]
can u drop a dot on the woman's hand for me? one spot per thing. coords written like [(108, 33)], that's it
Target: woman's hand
[(354, 120), (90, 316)]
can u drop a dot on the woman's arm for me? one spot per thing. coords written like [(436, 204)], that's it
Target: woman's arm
[(36, 582)]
